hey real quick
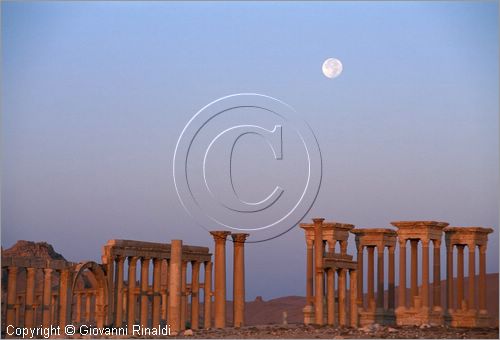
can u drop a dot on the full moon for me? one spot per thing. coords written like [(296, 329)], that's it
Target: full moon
[(332, 68)]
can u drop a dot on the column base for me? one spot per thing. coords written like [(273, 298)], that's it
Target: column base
[(308, 312), (468, 319), (419, 316), (382, 317)]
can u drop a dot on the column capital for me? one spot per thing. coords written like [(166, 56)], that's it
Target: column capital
[(220, 235), (343, 247), (239, 238), (472, 246), (48, 270), (482, 248), (414, 241), (132, 260), (425, 243), (156, 260), (360, 247), (391, 249), (119, 258), (63, 270), (331, 244), (436, 243), (145, 258), (318, 220), (402, 242)]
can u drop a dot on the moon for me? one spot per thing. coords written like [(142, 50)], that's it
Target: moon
[(332, 68)]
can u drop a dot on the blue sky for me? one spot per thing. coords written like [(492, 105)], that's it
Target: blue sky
[(95, 95)]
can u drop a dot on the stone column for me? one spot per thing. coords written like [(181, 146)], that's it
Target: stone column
[(360, 275), (144, 291), (318, 259), (195, 291), (402, 273), (103, 315), (371, 277), (342, 293), (47, 292), (155, 320), (472, 275), (425, 274), (449, 277), (174, 299), (132, 266), (239, 279), (331, 246), (414, 271), (164, 289), (343, 247), (220, 277), (30, 295), (353, 282), (460, 275), (437, 275), (380, 278), (78, 317), (63, 298), (392, 277), (330, 297), (100, 315), (11, 295), (88, 300), (482, 279), (53, 309), (125, 303), (310, 273), (119, 291), (183, 295), (207, 293)]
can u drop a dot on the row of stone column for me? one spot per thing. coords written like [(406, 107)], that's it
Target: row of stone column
[(20, 307), (317, 289), (48, 312), (424, 305), (169, 302), (421, 298), (238, 278), (460, 302), (89, 298), (462, 311), (346, 313), (376, 303)]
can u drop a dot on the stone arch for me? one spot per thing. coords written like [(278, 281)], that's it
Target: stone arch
[(101, 289)]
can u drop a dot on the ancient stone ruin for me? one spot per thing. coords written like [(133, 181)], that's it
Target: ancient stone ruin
[(48, 290), (58, 292), (423, 306)]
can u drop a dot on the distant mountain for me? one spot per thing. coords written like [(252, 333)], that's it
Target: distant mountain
[(41, 250)]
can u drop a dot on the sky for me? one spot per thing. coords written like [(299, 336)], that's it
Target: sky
[(95, 96)]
